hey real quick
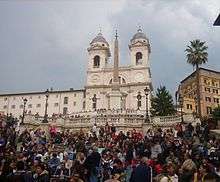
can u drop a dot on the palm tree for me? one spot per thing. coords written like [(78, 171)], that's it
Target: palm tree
[(196, 54)]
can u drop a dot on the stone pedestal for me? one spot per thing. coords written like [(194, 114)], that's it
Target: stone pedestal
[(115, 99)]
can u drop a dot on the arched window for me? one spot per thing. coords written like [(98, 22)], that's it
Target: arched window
[(120, 79), (94, 102), (96, 62), (138, 58)]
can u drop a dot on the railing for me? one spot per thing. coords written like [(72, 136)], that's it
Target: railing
[(119, 120)]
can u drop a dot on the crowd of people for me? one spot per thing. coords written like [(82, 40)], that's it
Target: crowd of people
[(184, 153)]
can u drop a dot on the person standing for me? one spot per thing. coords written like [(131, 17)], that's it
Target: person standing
[(142, 173), (92, 164)]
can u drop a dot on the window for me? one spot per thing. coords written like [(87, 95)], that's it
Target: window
[(5, 107), (65, 100), (84, 104), (56, 104), (121, 80), (138, 58), (216, 100), (208, 110), (96, 63), (57, 96), (5, 99), (208, 99), (207, 89), (189, 106), (65, 110), (39, 97), (74, 95), (38, 105), (13, 106), (215, 91), (21, 106), (205, 81), (94, 102), (139, 100), (84, 94), (139, 104), (14, 98), (74, 103), (213, 83), (30, 106)]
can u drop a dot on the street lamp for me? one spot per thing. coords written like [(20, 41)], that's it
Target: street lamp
[(46, 105), (181, 106), (146, 91), (139, 100), (25, 102)]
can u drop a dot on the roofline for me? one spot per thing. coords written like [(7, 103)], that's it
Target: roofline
[(205, 69), (41, 92), (217, 21)]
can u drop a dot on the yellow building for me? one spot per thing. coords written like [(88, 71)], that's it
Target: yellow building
[(209, 87)]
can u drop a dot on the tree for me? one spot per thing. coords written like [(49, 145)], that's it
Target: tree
[(162, 103), (216, 114), (196, 54)]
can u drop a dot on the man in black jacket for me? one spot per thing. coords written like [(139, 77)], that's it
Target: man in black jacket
[(20, 175), (92, 163), (142, 173)]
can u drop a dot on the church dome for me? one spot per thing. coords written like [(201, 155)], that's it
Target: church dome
[(99, 39), (139, 35)]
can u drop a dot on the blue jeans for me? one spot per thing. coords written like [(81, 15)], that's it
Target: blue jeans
[(94, 175), (128, 172)]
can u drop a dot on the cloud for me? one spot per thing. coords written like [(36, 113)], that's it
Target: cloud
[(43, 44)]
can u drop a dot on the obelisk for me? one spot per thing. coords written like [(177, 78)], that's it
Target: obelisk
[(115, 94), (115, 83)]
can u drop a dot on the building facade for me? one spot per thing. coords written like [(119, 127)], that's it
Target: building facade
[(209, 87), (59, 102), (108, 86)]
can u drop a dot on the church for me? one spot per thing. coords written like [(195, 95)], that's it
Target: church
[(108, 86)]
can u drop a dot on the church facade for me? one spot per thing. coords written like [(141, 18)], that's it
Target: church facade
[(108, 86)]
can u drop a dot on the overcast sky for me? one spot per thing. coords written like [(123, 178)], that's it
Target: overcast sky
[(44, 44)]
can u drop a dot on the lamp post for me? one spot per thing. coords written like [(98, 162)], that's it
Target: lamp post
[(181, 107), (139, 99), (46, 105), (146, 91), (25, 102)]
